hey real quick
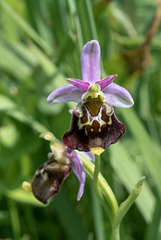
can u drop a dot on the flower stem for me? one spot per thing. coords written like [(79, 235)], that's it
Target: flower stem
[(107, 197), (116, 233), (102, 184), (103, 191), (95, 176)]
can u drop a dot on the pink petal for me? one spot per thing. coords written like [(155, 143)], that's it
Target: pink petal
[(90, 62), (83, 86), (66, 93), (107, 81), (118, 96), (78, 169)]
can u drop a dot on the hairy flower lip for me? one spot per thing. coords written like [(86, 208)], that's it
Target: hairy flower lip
[(99, 133)]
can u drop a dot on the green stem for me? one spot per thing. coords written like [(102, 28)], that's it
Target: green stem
[(116, 233), (95, 176), (104, 193), (98, 217), (103, 185)]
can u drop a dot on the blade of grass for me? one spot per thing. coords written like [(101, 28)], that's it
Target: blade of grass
[(129, 173), (152, 230), (59, 15), (26, 27), (150, 151), (48, 66), (86, 20), (15, 55), (75, 22), (121, 20), (38, 15), (15, 221)]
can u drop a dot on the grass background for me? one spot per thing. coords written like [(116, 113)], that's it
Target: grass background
[(40, 45)]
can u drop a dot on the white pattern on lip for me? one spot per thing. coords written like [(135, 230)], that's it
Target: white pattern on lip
[(91, 119)]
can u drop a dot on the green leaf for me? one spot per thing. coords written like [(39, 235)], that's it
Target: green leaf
[(121, 20), (86, 19), (153, 228), (39, 15), (150, 151), (125, 206), (129, 173), (17, 59)]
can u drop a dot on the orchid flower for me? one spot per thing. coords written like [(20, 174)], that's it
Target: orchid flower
[(61, 161), (94, 124)]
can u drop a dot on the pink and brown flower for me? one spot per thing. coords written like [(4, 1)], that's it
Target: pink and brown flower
[(94, 123)]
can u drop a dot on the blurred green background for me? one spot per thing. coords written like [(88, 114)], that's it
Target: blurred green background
[(40, 45)]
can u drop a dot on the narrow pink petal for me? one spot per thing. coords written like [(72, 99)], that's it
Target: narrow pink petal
[(107, 81), (83, 86), (78, 169), (90, 62), (66, 93), (118, 96)]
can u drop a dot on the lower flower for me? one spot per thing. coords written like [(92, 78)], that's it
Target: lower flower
[(49, 177)]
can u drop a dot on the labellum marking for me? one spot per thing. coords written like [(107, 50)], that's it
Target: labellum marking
[(45, 175), (91, 113)]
